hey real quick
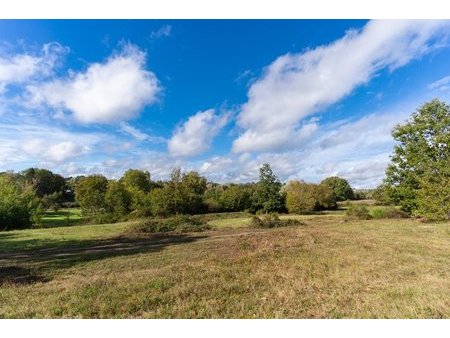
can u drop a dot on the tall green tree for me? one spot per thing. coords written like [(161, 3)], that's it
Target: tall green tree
[(44, 181), (340, 187), (138, 183), (134, 179), (267, 196), (419, 166), (90, 194), (117, 199)]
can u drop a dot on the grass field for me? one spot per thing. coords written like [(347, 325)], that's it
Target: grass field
[(61, 217), (326, 268)]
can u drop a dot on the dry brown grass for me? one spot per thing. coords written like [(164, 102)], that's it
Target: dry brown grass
[(324, 269)]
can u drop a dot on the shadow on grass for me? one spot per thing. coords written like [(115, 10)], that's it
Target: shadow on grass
[(19, 275), (14, 266)]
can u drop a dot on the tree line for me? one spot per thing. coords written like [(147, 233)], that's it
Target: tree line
[(417, 180), (136, 195)]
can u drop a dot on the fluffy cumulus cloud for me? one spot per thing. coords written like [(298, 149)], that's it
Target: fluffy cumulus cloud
[(27, 66), (297, 85), (357, 150), (25, 144), (115, 90), (196, 134)]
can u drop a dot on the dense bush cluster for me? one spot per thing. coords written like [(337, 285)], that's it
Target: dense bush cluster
[(358, 211), (19, 205), (178, 224), (304, 198)]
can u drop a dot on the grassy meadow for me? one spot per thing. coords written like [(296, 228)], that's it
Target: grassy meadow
[(325, 268)]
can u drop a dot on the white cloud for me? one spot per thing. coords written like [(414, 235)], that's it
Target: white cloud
[(197, 133), (115, 90), (441, 84), (139, 135), (19, 68), (32, 144), (164, 31), (136, 133), (52, 152), (297, 85)]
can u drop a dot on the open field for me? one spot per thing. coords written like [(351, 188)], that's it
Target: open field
[(326, 268), (61, 217)]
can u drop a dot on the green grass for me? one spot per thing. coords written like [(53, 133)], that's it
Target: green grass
[(230, 222), (327, 268), (62, 217), (18, 240)]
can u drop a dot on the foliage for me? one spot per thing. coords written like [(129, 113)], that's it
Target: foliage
[(134, 179), (19, 206), (236, 197), (272, 220), (358, 211), (117, 199), (44, 182), (303, 198), (420, 161), (52, 201), (267, 196), (382, 194), (341, 189), (90, 194), (433, 197), (178, 224), (388, 212)]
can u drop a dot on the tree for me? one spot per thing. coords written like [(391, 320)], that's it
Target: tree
[(420, 161), (341, 189), (134, 179), (44, 182), (90, 194), (117, 199), (138, 184), (267, 196), (52, 201), (236, 197), (382, 194), (300, 197), (19, 206), (304, 198), (193, 187)]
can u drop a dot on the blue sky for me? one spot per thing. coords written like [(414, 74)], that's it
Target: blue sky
[(314, 98)]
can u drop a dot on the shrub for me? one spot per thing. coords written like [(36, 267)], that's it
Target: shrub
[(272, 221), (358, 211), (19, 206), (388, 212), (179, 224), (305, 198)]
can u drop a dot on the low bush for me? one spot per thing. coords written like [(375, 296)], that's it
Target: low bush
[(388, 212), (272, 221), (178, 224), (358, 211)]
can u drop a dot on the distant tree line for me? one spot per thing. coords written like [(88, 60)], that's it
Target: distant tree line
[(136, 195)]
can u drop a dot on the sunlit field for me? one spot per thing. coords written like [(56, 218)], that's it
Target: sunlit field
[(325, 268)]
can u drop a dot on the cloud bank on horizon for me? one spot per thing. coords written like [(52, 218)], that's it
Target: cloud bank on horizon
[(111, 114)]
